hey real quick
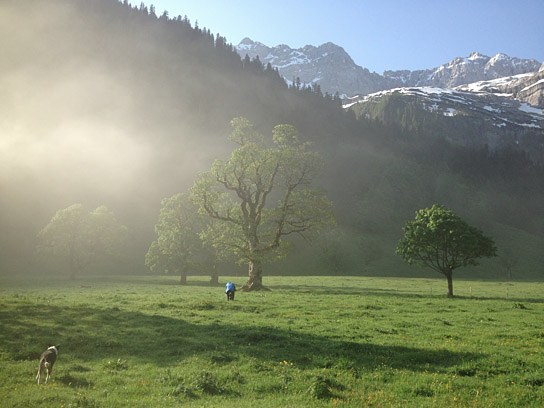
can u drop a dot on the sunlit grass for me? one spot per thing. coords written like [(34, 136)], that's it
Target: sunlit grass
[(348, 341)]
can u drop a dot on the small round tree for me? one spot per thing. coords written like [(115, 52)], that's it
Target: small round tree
[(442, 241)]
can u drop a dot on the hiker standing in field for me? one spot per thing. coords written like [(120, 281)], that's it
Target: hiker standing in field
[(229, 290)]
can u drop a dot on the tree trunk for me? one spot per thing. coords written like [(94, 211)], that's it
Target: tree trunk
[(214, 279), (255, 280), (73, 268), (449, 277), (183, 279)]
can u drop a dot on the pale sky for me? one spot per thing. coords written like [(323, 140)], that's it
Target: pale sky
[(378, 34)]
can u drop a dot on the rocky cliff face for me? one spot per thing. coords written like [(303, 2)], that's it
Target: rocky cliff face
[(333, 69), (529, 89), (476, 67), (328, 65)]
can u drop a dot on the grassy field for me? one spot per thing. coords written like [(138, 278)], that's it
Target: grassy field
[(346, 342)]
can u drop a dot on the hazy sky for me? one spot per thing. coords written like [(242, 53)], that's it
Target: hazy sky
[(378, 34)]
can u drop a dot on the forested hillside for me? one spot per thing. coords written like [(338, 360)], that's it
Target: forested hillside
[(104, 103)]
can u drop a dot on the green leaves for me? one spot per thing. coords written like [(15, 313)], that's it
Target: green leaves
[(178, 236), (285, 135), (237, 194), (81, 235), (439, 239), (243, 132)]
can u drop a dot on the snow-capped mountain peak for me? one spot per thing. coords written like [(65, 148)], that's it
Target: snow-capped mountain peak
[(474, 56), (333, 69)]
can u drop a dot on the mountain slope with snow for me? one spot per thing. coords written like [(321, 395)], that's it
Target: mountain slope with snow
[(462, 116), (328, 65), (476, 67), (333, 69)]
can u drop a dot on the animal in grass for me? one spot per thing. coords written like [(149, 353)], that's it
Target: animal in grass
[(47, 360), (229, 290)]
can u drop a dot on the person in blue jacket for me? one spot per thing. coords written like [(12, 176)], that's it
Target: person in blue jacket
[(229, 290)]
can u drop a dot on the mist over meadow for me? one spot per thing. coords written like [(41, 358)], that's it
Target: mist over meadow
[(107, 104)]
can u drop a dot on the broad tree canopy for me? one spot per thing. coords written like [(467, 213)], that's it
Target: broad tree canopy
[(440, 240), (260, 196), (178, 244), (81, 236)]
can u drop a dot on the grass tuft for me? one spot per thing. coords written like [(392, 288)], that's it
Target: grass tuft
[(206, 382), (321, 387), (116, 365)]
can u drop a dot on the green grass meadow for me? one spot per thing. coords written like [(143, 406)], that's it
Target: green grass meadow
[(307, 342)]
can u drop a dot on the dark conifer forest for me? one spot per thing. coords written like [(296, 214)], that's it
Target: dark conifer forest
[(106, 103)]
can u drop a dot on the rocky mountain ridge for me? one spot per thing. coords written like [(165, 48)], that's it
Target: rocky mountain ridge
[(476, 67), (529, 89), (328, 65), (331, 67)]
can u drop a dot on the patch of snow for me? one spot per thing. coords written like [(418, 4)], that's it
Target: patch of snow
[(348, 105), (530, 86), (476, 56), (483, 85), (294, 61), (530, 125), (525, 107), (434, 90), (491, 109), (499, 57), (244, 47), (432, 108)]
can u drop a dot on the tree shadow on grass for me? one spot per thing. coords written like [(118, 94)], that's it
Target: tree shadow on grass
[(325, 290), (89, 334), (171, 280), (334, 290)]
